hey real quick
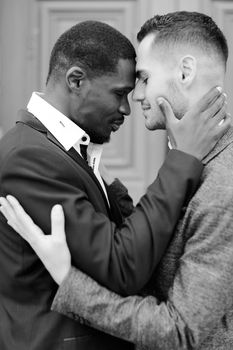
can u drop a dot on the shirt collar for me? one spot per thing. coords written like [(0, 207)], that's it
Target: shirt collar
[(61, 127), (224, 142)]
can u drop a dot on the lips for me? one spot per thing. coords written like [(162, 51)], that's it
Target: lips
[(117, 123), (145, 112), (145, 108)]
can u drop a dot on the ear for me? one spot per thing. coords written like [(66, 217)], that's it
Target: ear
[(187, 70), (74, 78)]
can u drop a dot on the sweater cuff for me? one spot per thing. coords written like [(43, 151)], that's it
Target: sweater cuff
[(63, 296)]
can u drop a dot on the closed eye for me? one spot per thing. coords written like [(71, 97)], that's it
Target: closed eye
[(142, 80), (120, 93), (142, 77)]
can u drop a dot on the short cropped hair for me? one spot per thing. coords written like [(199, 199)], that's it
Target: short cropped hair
[(187, 27), (94, 45)]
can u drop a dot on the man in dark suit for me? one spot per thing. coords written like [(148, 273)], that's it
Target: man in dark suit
[(43, 162)]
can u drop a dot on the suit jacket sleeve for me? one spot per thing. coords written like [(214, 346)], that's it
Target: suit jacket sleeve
[(112, 255), (198, 299)]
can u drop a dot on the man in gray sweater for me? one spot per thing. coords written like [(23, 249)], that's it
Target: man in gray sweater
[(188, 303)]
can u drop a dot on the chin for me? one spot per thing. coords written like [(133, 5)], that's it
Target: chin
[(155, 125), (100, 139), (155, 120)]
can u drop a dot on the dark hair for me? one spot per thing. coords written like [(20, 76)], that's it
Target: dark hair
[(94, 45), (187, 27)]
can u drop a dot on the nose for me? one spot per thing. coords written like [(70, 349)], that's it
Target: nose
[(125, 107), (138, 93)]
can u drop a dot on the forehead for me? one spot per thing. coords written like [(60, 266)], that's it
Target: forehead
[(124, 78), (126, 69), (148, 55)]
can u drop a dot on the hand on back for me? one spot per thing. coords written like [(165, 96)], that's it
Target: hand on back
[(52, 249)]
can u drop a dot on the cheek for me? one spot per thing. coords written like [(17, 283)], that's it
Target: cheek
[(151, 96), (104, 112), (154, 90), (155, 119), (178, 101), (111, 106)]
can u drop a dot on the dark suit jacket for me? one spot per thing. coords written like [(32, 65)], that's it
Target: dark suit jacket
[(39, 172)]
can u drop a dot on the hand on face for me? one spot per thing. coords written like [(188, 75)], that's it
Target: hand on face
[(201, 127), (51, 249)]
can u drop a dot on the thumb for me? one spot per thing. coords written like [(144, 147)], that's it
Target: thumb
[(167, 111), (58, 221)]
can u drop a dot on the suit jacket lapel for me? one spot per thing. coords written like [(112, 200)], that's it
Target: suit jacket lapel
[(78, 159), (32, 121)]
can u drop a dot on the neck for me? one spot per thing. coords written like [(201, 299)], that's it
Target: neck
[(55, 96), (210, 73), (201, 87)]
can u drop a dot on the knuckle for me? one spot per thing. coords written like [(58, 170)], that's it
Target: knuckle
[(219, 103)]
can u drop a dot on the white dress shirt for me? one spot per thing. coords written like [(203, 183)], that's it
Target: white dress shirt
[(66, 132)]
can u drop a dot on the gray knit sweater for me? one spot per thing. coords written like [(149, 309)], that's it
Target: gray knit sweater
[(188, 304)]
